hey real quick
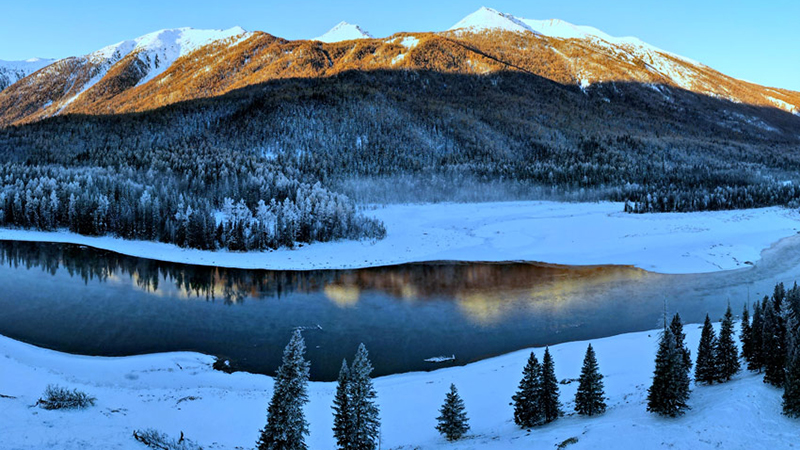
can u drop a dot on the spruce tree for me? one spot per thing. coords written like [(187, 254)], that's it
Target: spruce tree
[(727, 358), (452, 421), (548, 397), (669, 392), (363, 410), (342, 420), (286, 425), (705, 371), (590, 398), (676, 326), (791, 393), (745, 335), (772, 347), (756, 361), (527, 406)]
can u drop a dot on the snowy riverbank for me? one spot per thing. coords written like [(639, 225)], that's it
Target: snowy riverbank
[(179, 392), (558, 233)]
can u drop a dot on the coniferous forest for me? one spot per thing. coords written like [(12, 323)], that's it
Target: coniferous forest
[(288, 161)]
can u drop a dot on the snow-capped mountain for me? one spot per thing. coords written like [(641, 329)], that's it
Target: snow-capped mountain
[(153, 71), (13, 71), (343, 31)]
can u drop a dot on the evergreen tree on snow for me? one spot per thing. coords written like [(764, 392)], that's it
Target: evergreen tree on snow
[(745, 335), (363, 410), (773, 347), (548, 396), (286, 425), (590, 398), (342, 420), (676, 326), (669, 392), (452, 421), (705, 371), (727, 354), (756, 361), (791, 393), (527, 406)]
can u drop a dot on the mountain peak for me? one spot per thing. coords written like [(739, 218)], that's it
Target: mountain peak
[(344, 31), (492, 19)]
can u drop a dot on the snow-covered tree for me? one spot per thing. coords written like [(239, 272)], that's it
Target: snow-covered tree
[(527, 404), (756, 361), (590, 397), (452, 421), (286, 424), (669, 392), (705, 371), (727, 358), (342, 414), (548, 395), (773, 347), (363, 410), (745, 334)]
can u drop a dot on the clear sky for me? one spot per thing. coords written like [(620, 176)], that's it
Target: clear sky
[(757, 40)]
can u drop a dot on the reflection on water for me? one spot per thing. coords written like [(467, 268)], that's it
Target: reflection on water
[(89, 301)]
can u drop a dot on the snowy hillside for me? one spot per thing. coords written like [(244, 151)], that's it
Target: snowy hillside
[(13, 71), (343, 31), (179, 392)]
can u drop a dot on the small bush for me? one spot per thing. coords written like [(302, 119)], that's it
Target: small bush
[(57, 397), (567, 442), (158, 440)]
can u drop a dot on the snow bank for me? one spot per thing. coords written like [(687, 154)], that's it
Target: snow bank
[(180, 392), (558, 233)]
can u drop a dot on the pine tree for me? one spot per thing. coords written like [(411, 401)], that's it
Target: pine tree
[(342, 420), (590, 398), (791, 393), (745, 335), (286, 425), (774, 359), (727, 358), (669, 392), (453, 421), (676, 326), (527, 407), (705, 371), (548, 396), (756, 361), (364, 411)]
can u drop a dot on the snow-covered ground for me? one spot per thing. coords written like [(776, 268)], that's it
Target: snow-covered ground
[(180, 392), (558, 233)]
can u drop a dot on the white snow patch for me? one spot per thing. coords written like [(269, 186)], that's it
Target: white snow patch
[(409, 42), (176, 392), (552, 232), (343, 31)]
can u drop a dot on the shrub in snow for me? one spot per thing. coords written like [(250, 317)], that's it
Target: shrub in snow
[(158, 440), (453, 421), (57, 397)]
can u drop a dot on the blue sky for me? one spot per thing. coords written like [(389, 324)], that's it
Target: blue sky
[(753, 40)]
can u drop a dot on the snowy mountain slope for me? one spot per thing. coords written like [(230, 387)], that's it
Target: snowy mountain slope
[(13, 71), (133, 62), (343, 31)]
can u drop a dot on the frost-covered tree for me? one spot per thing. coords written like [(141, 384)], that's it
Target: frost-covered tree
[(548, 395), (773, 346), (705, 370), (286, 424), (791, 393), (590, 397), (364, 412), (342, 414), (527, 404), (727, 358), (669, 393), (452, 421)]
